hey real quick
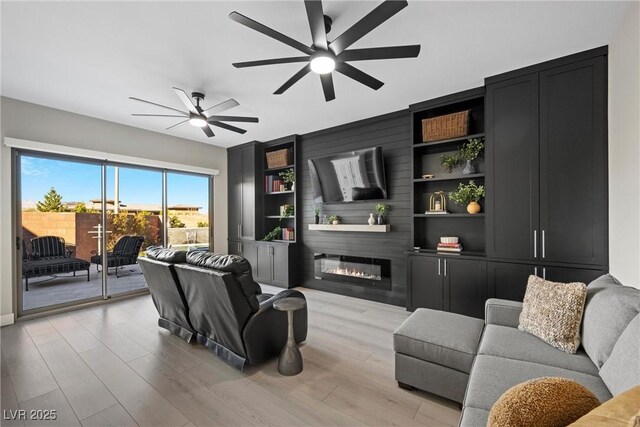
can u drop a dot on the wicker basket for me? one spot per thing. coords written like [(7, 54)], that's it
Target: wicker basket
[(279, 158), (445, 127)]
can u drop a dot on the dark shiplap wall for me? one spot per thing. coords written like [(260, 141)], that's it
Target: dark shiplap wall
[(392, 132)]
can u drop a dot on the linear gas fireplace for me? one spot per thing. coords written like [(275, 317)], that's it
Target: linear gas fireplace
[(362, 271)]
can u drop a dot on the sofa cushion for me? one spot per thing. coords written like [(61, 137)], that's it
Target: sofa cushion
[(447, 339), (166, 255), (553, 311), (512, 343), (234, 264), (607, 312), (473, 417), (491, 376), (621, 371)]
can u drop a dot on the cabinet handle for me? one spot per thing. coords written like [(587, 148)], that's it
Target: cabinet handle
[(544, 273), (535, 243), (543, 245), (439, 266), (535, 271), (445, 267)]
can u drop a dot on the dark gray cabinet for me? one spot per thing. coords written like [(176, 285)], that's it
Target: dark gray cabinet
[(547, 163), (274, 264), (244, 196), (509, 280), (442, 282)]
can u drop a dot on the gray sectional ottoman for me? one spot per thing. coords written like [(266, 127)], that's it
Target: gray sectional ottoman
[(475, 362)]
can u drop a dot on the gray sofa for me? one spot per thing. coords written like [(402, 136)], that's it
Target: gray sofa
[(439, 352)]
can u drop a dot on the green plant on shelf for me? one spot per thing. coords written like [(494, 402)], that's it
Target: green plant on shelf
[(449, 161), (288, 176), (467, 193), (471, 149), (334, 219), (316, 209), (286, 211), (382, 209), (273, 234)]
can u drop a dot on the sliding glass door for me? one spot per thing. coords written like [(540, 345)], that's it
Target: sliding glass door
[(59, 218), (82, 224)]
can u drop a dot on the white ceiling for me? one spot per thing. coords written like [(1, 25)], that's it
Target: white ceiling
[(89, 57)]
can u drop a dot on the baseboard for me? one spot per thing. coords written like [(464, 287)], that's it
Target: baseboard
[(7, 319)]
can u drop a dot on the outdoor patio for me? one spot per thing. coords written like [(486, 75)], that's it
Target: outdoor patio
[(62, 288)]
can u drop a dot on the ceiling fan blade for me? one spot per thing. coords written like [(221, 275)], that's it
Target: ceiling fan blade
[(227, 127), (359, 76), (391, 52), (186, 100), (327, 87), (157, 105), (179, 123), (270, 61), (297, 76), (248, 22), (158, 115), (315, 15), (361, 28), (223, 106), (207, 131), (233, 119)]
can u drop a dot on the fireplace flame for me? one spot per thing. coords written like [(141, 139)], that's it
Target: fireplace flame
[(351, 272)]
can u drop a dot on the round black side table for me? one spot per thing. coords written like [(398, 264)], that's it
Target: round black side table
[(290, 362)]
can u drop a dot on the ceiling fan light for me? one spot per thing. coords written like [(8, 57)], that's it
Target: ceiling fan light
[(323, 64), (197, 121)]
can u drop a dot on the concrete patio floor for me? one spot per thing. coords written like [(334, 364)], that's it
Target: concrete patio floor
[(62, 288)]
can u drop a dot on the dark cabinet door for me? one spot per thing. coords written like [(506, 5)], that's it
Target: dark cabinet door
[(264, 263), (513, 169), (248, 198), (573, 163), (234, 182), (427, 290), (281, 265), (566, 274), (250, 253), (508, 281), (465, 286), (235, 247)]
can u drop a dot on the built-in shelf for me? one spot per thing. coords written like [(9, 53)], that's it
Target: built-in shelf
[(446, 141), (450, 215), (450, 177), (352, 227), (283, 241), (273, 193), (278, 169), (280, 217)]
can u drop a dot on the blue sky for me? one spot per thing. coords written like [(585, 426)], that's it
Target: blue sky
[(80, 182)]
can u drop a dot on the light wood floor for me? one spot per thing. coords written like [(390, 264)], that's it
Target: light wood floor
[(112, 366)]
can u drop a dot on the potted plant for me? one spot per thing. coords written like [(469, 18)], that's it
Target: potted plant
[(316, 213), (468, 195), (469, 152), (333, 219), (382, 210), (286, 211), (289, 177), (449, 161)]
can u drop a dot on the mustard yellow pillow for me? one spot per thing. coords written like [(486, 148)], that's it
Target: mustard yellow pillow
[(542, 402), (553, 311), (621, 411)]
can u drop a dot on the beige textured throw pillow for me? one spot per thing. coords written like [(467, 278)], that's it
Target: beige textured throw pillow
[(553, 311)]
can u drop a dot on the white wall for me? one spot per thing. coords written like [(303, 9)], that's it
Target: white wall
[(32, 122), (624, 149)]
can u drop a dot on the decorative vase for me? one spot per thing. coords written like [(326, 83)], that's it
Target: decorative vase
[(380, 220), (317, 219), (371, 219), (473, 208), (293, 186), (469, 168), (336, 222)]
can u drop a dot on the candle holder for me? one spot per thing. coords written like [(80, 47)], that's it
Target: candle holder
[(438, 202)]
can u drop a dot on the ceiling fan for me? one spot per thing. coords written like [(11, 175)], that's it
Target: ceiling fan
[(325, 56), (198, 117)]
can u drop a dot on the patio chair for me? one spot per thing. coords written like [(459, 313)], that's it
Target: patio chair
[(125, 252), (50, 256)]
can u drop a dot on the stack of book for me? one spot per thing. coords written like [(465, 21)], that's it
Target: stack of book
[(288, 234), (273, 184), (450, 247)]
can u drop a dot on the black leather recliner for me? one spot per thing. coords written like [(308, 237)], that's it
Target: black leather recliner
[(224, 306)]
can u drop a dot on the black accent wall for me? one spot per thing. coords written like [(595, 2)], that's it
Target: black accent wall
[(392, 132)]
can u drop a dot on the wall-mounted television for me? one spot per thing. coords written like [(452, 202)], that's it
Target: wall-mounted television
[(348, 177)]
